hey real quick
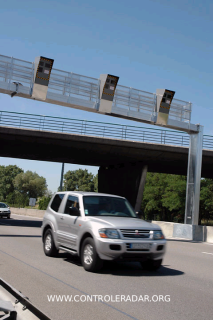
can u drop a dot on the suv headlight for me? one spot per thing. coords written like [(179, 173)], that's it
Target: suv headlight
[(109, 233), (158, 235)]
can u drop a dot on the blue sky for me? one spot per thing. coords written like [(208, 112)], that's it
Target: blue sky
[(148, 44)]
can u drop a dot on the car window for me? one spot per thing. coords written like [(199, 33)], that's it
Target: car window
[(57, 201), (107, 206), (3, 205), (72, 202)]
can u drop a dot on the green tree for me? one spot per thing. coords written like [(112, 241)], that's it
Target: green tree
[(30, 184), (7, 175), (164, 196), (206, 200), (95, 180), (174, 198), (79, 180), (48, 193), (152, 197), (43, 202), (21, 199)]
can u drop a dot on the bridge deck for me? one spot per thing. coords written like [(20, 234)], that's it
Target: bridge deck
[(97, 151)]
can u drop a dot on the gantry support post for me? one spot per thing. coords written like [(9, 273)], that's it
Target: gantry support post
[(194, 177)]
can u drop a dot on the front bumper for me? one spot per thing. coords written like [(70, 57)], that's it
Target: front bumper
[(4, 214), (111, 249)]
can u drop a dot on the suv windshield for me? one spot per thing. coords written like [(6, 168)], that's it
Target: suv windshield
[(3, 205), (107, 206)]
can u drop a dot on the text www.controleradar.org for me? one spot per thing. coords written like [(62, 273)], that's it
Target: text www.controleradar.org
[(108, 298)]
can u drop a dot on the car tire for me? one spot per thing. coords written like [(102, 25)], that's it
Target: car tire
[(151, 265), (8, 217), (50, 249), (89, 256)]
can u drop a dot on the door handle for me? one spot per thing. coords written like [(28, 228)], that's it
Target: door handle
[(61, 218)]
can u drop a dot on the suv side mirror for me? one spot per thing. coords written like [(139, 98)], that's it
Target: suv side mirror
[(74, 211)]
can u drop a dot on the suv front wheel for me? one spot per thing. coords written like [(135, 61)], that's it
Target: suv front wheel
[(50, 249), (89, 257)]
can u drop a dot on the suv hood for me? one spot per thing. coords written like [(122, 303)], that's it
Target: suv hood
[(124, 223)]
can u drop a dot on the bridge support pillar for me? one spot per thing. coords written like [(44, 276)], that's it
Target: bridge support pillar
[(194, 177), (141, 188), (127, 180)]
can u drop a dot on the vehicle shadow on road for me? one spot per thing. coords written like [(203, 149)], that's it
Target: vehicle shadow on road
[(134, 269), (21, 223), (130, 269), (69, 258)]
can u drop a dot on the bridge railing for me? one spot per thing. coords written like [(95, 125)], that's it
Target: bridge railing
[(98, 129)]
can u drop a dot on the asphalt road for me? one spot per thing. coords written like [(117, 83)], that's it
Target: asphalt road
[(185, 280)]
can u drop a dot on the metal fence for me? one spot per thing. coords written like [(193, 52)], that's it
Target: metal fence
[(16, 70)]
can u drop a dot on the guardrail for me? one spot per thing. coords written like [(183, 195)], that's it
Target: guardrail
[(98, 129)]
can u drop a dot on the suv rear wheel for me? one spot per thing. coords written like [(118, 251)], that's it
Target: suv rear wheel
[(89, 257), (49, 246), (151, 264)]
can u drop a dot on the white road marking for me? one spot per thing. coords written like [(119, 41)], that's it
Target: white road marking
[(208, 253)]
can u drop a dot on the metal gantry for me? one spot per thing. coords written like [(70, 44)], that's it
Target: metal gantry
[(81, 92), (17, 78)]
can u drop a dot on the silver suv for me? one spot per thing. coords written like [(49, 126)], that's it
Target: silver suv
[(97, 227)]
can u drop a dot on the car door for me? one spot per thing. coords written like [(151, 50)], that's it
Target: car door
[(69, 224)]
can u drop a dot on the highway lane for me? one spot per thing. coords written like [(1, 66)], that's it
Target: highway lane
[(186, 277)]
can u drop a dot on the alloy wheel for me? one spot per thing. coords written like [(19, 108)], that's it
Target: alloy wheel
[(48, 242), (88, 254)]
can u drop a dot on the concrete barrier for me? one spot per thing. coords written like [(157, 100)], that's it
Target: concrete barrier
[(28, 212), (209, 234), (170, 229), (167, 227), (186, 231)]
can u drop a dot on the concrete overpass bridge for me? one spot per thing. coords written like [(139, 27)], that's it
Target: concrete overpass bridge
[(123, 153)]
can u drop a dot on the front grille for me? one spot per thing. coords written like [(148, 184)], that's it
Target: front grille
[(135, 233)]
